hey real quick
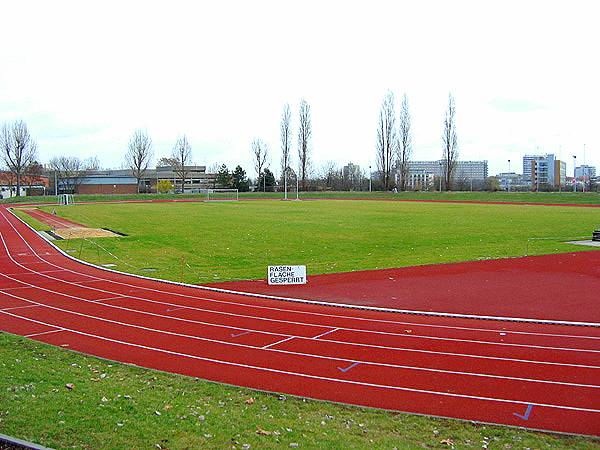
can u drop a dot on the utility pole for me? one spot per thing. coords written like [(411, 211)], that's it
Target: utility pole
[(370, 176)]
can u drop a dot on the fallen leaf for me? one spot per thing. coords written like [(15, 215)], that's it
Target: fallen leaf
[(263, 432), (447, 442), (250, 401)]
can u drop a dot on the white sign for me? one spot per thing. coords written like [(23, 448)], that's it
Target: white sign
[(287, 275)]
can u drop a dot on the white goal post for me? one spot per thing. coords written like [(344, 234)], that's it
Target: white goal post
[(65, 199), (222, 195)]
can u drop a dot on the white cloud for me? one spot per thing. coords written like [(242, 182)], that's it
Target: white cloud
[(84, 76)]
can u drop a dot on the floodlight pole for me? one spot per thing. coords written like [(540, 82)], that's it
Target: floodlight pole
[(574, 173), (440, 163), (583, 170), (508, 179), (370, 176)]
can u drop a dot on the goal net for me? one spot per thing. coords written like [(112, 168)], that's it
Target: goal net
[(65, 199), (222, 195)]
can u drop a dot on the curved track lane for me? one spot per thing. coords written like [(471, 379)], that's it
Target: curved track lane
[(522, 374)]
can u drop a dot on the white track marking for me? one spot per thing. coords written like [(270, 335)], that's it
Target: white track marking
[(17, 307), (42, 333), (100, 300), (282, 341), (317, 377), (403, 335), (287, 322), (250, 306), (324, 334), (15, 288), (309, 355)]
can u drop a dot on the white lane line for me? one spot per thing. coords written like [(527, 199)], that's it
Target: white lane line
[(402, 335), (324, 334), (18, 307), (100, 300), (14, 288), (43, 332), (41, 271), (250, 306), (310, 355), (177, 309), (317, 377), (323, 340), (278, 342)]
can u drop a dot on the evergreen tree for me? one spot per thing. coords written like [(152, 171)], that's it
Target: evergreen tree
[(239, 180), (224, 178), (266, 182)]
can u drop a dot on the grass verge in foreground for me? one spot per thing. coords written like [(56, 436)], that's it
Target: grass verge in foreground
[(211, 242), (115, 406)]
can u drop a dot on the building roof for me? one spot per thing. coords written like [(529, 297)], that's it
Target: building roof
[(9, 179)]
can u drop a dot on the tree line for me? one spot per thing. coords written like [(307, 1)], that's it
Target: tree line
[(393, 153), (393, 148)]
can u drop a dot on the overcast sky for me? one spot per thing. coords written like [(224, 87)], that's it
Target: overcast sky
[(524, 74)]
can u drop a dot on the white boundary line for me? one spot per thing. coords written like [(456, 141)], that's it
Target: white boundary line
[(404, 335), (43, 332), (594, 324), (316, 377), (310, 355), (317, 302)]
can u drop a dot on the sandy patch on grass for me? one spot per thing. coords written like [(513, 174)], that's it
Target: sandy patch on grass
[(82, 232)]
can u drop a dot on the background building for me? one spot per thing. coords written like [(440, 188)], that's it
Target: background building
[(545, 172), (30, 185), (510, 181), (465, 175), (121, 181), (585, 171)]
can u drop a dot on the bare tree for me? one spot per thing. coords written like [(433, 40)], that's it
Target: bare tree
[(91, 164), (182, 154), (139, 154), (386, 139), (404, 143), (69, 170), (18, 150), (285, 130), (304, 135), (450, 143), (259, 155)]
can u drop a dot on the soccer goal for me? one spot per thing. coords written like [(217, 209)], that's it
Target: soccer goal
[(65, 199), (222, 195)]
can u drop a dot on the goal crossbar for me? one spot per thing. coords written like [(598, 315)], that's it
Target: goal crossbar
[(222, 195)]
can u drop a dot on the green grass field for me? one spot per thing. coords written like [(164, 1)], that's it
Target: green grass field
[(115, 406), (500, 196), (208, 242)]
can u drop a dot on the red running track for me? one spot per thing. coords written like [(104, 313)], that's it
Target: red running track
[(542, 377), (549, 287)]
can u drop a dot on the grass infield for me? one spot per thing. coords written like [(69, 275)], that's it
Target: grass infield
[(591, 198), (210, 242)]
